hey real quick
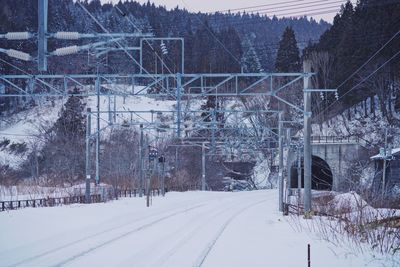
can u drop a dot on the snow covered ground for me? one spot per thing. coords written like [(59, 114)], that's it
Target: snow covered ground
[(182, 229)]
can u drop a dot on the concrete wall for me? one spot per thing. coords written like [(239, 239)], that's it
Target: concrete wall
[(339, 158)]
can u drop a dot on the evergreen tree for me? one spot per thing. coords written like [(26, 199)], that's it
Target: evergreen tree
[(63, 155), (204, 49), (71, 123), (250, 59), (227, 61), (288, 57)]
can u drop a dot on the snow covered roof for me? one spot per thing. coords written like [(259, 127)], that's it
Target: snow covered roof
[(395, 151)]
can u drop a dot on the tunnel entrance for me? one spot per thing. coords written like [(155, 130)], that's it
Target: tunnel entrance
[(321, 174)]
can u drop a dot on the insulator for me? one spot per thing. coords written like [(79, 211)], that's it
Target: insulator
[(337, 95), (66, 50), (18, 54), (67, 35), (321, 95), (18, 35)]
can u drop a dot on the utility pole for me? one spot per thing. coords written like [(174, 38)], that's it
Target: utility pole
[(97, 85), (385, 154), (152, 156), (162, 161), (307, 139), (280, 174), (298, 177), (203, 167), (213, 130), (148, 186), (42, 34), (178, 106), (110, 120), (287, 180), (141, 162), (87, 167)]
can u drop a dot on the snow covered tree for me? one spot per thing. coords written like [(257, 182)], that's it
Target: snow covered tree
[(71, 123), (62, 158), (250, 59)]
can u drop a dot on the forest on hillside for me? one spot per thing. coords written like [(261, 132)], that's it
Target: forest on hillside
[(359, 55)]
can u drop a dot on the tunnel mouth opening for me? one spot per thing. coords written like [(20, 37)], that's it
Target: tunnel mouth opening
[(322, 177)]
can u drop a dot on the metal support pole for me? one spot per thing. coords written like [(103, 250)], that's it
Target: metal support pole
[(42, 32), (141, 162), (115, 109), (148, 191), (183, 55), (87, 167), (307, 139), (213, 130), (110, 120), (176, 159), (203, 167), (384, 164), (163, 177), (65, 86), (97, 85), (280, 174), (299, 173), (178, 99), (287, 180), (141, 56)]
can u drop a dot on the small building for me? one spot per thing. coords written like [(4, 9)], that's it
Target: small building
[(392, 171)]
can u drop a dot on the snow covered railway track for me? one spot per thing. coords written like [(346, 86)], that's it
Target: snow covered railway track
[(31, 260), (200, 261), (175, 240)]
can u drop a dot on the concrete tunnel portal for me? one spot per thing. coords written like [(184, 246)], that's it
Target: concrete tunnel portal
[(322, 177)]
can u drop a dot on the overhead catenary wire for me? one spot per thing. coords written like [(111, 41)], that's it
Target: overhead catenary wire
[(259, 6), (362, 66), (363, 80), (369, 59), (137, 28), (228, 18), (108, 32), (116, 41), (302, 6)]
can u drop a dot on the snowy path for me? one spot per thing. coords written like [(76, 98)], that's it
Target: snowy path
[(184, 229)]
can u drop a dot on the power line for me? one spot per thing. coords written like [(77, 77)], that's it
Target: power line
[(213, 35), (134, 25), (227, 18), (332, 9), (363, 80), (258, 6), (301, 6), (369, 60)]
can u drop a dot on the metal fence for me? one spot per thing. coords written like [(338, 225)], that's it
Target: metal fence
[(339, 140), (103, 196)]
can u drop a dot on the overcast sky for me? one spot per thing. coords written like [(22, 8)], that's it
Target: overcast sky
[(278, 7)]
